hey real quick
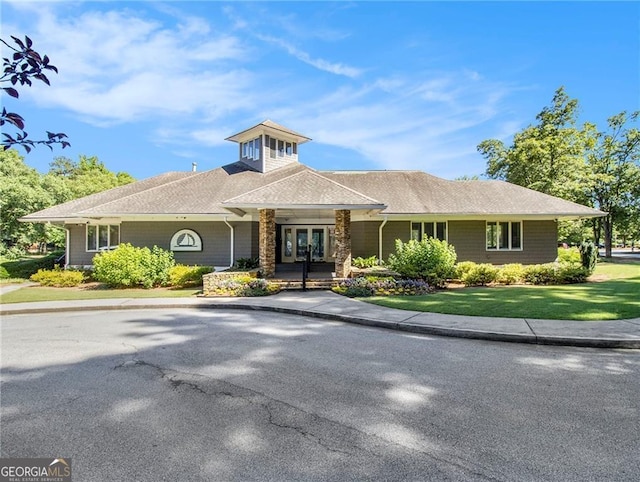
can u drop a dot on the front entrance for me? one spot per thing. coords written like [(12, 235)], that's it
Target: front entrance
[(298, 239)]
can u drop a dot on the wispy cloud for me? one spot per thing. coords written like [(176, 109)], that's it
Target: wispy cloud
[(321, 64), (119, 67)]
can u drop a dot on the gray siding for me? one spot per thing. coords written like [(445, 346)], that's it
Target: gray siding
[(255, 239), (539, 242), (215, 241), (78, 255), (216, 238), (364, 237)]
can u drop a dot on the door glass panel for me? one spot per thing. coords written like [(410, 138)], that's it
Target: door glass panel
[(302, 241), (317, 244), (332, 241), (288, 242)]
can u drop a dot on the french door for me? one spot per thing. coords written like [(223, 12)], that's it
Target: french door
[(297, 240)]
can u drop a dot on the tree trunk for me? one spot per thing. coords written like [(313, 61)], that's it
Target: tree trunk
[(607, 224)]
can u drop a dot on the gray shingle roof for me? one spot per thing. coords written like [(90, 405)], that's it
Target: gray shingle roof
[(304, 188), (402, 192)]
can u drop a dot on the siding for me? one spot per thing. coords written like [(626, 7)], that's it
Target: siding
[(215, 236), (539, 241), (215, 241), (364, 237), (78, 255)]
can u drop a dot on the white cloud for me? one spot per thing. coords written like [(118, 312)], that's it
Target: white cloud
[(321, 64), (119, 67)]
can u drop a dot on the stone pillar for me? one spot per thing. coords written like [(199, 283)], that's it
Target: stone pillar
[(343, 243), (267, 240)]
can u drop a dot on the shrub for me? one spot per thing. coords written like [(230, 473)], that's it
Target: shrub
[(480, 275), (57, 277), (24, 268), (570, 273), (369, 262), (588, 256), (182, 276), (569, 255), (4, 274), (128, 266), (510, 274), (462, 268), (540, 274), (242, 286), (380, 286), (246, 263), (430, 259)]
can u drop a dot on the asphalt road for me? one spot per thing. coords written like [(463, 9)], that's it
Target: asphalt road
[(215, 395)]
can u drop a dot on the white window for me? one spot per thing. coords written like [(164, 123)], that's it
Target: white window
[(504, 235), (102, 236), (435, 229), (251, 149)]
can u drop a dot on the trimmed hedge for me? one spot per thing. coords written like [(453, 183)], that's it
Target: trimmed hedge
[(182, 276), (480, 275), (58, 278)]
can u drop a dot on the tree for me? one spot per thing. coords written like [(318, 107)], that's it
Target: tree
[(23, 190), (547, 157), (613, 175), (87, 176), (21, 193), (24, 65)]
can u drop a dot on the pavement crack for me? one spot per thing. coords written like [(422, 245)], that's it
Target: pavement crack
[(531, 329)]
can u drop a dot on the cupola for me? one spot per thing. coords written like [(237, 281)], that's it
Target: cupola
[(268, 146)]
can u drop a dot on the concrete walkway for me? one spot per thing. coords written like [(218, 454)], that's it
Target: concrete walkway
[(330, 306)]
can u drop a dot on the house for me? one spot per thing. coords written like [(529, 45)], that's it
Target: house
[(269, 205)]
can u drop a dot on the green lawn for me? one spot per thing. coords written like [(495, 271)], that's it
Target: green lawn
[(615, 298), (40, 293)]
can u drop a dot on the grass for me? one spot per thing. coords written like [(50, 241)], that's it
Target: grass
[(614, 296), (40, 293)]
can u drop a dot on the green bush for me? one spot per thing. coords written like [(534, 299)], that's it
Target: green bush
[(510, 274), (569, 273), (58, 278), (588, 256), (369, 262), (242, 286), (480, 275), (4, 274), (430, 259), (462, 268), (182, 276), (128, 266), (23, 268), (569, 255), (540, 274), (243, 264)]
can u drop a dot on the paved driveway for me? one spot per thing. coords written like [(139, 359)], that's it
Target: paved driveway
[(217, 395)]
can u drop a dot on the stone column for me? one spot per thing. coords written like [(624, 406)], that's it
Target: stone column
[(267, 240), (343, 243)]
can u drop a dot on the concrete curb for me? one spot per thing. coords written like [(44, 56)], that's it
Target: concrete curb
[(425, 329)]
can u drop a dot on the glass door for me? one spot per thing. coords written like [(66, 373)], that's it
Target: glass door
[(302, 243), (317, 244)]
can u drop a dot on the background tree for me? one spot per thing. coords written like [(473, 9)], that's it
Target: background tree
[(24, 65), (580, 164), (23, 190), (613, 175), (548, 156)]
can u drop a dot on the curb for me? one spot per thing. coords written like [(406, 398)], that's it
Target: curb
[(625, 343)]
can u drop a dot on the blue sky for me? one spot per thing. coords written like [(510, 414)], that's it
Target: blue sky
[(150, 87)]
